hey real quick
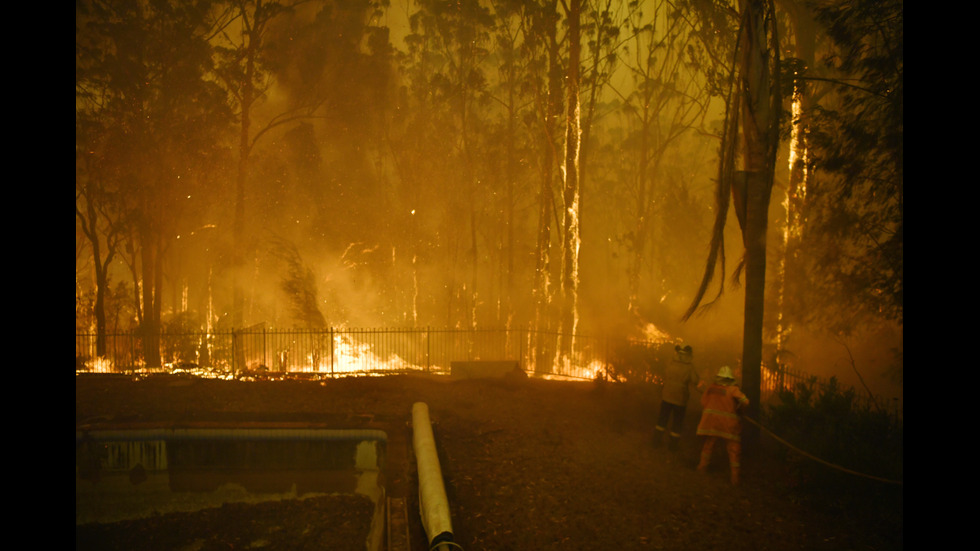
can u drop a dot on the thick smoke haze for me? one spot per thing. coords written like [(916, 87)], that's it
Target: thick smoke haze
[(403, 167)]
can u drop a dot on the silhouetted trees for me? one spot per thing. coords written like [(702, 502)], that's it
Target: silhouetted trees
[(494, 163), (147, 121), (854, 239)]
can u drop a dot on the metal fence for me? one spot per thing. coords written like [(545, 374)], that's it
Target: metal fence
[(782, 378), (339, 351), (347, 351), (779, 378)]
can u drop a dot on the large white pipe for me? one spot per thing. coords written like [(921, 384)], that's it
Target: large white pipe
[(433, 503)]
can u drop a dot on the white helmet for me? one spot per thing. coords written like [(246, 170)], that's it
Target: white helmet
[(725, 373)]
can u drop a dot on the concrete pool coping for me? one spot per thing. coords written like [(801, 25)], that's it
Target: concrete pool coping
[(368, 461)]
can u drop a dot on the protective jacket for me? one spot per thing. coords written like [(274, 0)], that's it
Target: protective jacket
[(677, 378), (719, 417)]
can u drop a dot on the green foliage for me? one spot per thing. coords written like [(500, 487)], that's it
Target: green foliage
[(832, 424)]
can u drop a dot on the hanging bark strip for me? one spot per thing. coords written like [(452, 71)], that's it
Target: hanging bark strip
[(757, 108)]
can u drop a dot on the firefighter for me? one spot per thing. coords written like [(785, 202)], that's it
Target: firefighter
[(678, 377), (720, 420)]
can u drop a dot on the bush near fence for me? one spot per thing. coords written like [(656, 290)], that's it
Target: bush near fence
[(830, 422)]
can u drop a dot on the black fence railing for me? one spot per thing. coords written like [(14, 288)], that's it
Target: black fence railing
[(339, 351), (347, 351), (782, 378)]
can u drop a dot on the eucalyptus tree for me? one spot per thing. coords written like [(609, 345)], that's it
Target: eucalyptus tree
[(448, 47), (147, 121), (752, 125), (101, 226), (542, 50), (803, 98), (571, 224), (853, 248), (552, 53), (99, 220), (511, 82), (603, 38), (286, 65), (240, 31), (668, 100), (761, 106), (593, 39)]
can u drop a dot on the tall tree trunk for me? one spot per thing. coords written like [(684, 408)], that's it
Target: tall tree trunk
[(804, 30), (508, 306), (90, 227), (247, 98), (573, 136), (238, 229), (101, 283), (546, 201), (542, 267), (149, 256), (759, 119), (754, 239)]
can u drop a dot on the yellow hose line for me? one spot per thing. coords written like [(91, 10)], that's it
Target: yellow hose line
[(433, 503)]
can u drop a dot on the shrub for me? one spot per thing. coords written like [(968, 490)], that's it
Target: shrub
[(830, 423)]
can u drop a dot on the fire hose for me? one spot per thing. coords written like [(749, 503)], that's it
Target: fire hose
[(433, 503), (817, 459)]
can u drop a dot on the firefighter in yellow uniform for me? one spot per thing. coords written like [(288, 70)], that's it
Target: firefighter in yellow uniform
[(679, 376), (720, 419)]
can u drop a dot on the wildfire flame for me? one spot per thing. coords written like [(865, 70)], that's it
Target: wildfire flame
[(100, 365), (655, 335)]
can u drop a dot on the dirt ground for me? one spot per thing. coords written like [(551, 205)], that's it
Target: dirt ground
[(529, 464)]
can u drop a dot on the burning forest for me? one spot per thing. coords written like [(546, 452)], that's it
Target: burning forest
[(557, 183), (295, 218)]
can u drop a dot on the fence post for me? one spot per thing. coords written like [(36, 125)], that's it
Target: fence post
[(428, 348), (332, 360)]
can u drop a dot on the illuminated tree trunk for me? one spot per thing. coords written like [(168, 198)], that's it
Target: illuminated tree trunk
[(542, 269), (802, 102), (546, 200), (601, 35), (571, 229)]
